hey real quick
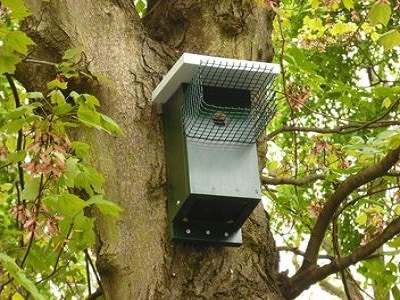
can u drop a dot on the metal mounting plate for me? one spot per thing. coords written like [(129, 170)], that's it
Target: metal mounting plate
[(205, 234)]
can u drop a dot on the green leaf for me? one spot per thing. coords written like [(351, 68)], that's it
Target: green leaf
[(89, 117), (314, 3), (81, 149), (70, 172), (13, 126), (74, 96), (343, 28), (70, 124), (90, 99), (62, 109), (83, 235), (395, 292), (387, 91), (397, 209), (71, 53), (17, 296), (348, 4), (68, 70), (57, 84), (90, 180), (17, 113), (19, 275), (395, 243), (34, 95), (355, 139), (31, 190), (69, 205), (390, 39), (106, 207), (18, 9), (362, 219), (297, 58), (386, 103), (5, 187), (394, 141), (18, 41), (101, 77), (140, 7), (380, 13), (16, 156), (57, 97), (110, 125), (8, 63)]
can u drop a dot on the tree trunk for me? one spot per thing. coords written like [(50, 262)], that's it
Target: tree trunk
[(136, 259)]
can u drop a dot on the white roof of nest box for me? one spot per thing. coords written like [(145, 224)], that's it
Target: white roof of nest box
[(188, 64)]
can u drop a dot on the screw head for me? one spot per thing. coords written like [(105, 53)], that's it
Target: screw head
[(188, 231), (220, 119)]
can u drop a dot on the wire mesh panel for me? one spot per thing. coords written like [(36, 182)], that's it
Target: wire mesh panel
[(229, 101)]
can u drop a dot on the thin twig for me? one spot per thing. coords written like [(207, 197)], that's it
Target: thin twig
[(350, 184), (346, 129), (350, 203), (94, 269), (292, 116), (292, 181), (88, 274), (20, 133), (21, 180), (336, 251), (64, 243), (308, 276), (28, 249), (297, 251), (37, 61), (359, 287)]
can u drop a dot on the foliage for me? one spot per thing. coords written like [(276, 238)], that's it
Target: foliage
[(338, 117), (339, 114), (140, 6), (47, 184)]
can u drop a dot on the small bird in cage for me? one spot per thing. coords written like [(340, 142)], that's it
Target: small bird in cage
[(220, 119)]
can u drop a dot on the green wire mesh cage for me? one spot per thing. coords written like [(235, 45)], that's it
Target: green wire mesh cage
[(229, 102)]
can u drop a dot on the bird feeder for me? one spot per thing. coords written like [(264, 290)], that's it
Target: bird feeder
[(213, 110)]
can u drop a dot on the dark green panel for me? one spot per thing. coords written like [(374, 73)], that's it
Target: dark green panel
[(176, 154)]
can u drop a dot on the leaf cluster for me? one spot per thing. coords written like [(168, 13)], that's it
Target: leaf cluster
[(48, 185), (338, 115)]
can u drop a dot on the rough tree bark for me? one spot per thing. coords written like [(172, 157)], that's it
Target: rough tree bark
[(136, 260)]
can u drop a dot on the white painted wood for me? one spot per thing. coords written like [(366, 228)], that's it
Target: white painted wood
[(187, 65)]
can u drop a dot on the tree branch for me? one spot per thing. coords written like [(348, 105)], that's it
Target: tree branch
[(331, 289), (345, 129), (335, 200), (87, 256), (338, 254), (297, 251), (20, 133), (355, 200), (292, 181), (37, 61), (306, 277)]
